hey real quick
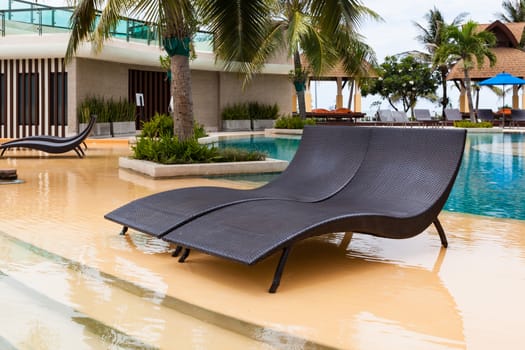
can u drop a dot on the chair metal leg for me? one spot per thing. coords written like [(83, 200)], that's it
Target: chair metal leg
[(124, 230), (441, 233), (78, 153), (279, 270), (177, 251), (184, 255)]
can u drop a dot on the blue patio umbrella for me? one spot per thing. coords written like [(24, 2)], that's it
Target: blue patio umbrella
[(503, 78)]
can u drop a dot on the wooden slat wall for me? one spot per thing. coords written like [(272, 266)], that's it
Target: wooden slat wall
[(30, 113), (156, 90)]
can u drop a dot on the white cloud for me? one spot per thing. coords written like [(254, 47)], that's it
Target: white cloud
[(397, 34)]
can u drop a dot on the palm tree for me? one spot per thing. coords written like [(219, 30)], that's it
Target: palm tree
[(357, 59), (432, 38), (467, 44), (515, 11), (311, 28), (239, 28)]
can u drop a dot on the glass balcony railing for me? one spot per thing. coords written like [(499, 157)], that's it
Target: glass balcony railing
[(23, 17)]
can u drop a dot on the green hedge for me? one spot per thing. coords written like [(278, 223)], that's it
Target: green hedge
[(470, 124), (295, 122), (250, 110)]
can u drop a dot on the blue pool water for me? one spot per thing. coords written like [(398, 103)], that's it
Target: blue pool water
[(491, 180)]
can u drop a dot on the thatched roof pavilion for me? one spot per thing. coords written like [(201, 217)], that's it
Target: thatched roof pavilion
[(510, 58), (341, 78)]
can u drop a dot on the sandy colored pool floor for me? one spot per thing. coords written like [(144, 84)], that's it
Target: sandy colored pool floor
[(371, 294)]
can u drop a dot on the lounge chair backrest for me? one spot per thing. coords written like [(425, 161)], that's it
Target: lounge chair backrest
[(453, 114), (399, 117), (406, 172), (385, 115), (517, 114), (327, 158), (422, 114), (485, 114)]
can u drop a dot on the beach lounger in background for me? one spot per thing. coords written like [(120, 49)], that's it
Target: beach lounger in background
[(517, 117), (423, 117), (385, 116), (399, 189), (327, 158), (400, 117), (486, 115), (53, 144), (452, 115)]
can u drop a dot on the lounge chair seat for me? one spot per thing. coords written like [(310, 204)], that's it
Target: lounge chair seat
[(326, 160), (53, 144), (397, 192)]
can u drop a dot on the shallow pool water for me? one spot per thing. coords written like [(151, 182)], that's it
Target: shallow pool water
[(68, 280), (491, 180)]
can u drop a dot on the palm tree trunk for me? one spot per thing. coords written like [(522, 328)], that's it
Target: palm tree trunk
[(469, 97), (444, 102), (182, 97), (299, 83), (351, 94)]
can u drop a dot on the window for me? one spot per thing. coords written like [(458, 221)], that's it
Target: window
[(58, 98), (27, 98), (3, 100)]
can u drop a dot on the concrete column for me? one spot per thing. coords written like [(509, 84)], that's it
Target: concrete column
[(515, 97), (357, 99), (308, 97), (463, 101), (294, 102)]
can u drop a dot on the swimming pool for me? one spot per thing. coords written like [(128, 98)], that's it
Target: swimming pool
[(491, 180)]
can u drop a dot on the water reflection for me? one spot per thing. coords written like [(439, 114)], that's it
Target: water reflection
[(491, 180)]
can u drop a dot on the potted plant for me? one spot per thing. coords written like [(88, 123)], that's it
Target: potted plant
[(236, 117), (263, 116), (113, 117)]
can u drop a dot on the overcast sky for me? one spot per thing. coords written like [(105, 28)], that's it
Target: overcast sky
[(397, 33)]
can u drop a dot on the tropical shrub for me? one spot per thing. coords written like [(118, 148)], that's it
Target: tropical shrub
[(162, 125), (156, 143), (293, 122)]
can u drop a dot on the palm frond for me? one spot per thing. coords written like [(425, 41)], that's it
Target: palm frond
[(81, 23)]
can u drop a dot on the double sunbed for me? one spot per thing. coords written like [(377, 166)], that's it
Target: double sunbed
[(386, 182)]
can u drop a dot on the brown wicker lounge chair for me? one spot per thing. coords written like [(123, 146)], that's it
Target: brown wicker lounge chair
[(326, 160), (398, 191), (53, 144)]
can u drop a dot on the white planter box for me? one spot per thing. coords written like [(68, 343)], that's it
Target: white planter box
[(236, 125), (104, 129), (261, 124), (124, 128)]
